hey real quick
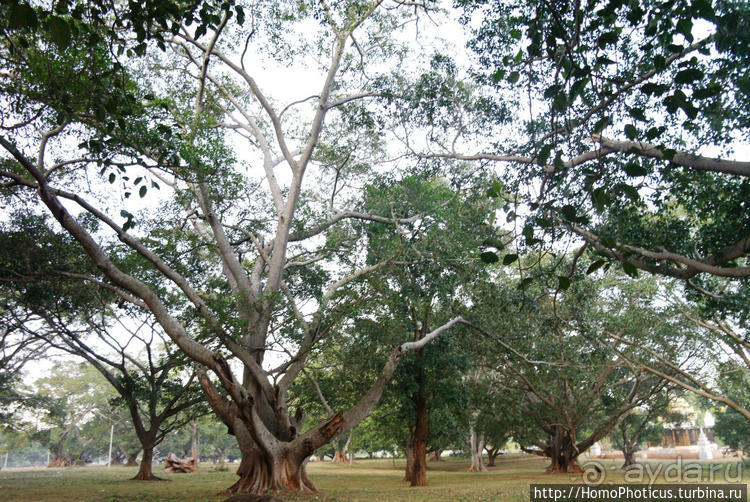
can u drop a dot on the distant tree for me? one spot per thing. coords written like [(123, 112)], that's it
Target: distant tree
[(564, 354), (74, 313), (643, 425), (78, 397)]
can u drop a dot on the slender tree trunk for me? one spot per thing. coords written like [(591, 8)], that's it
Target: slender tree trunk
[(409, 451), (435, 457), (145, 472), (491, 456), (194, 443), (419, 444), (629, 454), (477, 447)]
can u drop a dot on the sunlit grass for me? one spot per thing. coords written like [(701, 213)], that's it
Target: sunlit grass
[(365, 480)]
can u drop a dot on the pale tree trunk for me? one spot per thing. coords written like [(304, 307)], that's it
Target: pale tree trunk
[(477, 447), (274, 456), (435, 457), (194, 443), (222, 454), (342, 451)]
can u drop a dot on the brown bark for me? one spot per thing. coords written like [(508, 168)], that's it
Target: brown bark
[(629, 455), (132, 460), (435, 457), (492, 454), (563, 452), (409, 451), (419, 441), (145, 472)]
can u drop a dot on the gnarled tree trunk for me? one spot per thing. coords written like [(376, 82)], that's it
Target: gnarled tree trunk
[(60, 461), (435, 456), (563, 452), (262, 471)]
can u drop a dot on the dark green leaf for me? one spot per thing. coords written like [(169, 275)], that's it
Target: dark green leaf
[(688, 76), (569, 212), (595, 266), (600, 124), (142, 191), (21, 16), (513, 77), (494, 242), (563, 282), (515, 34), (635, 168), (630, 269), (489, 257), (544, 155), (630, 191), (112, 177), (60, 31), (609, 37), (509, 258), (638, 114), (544, 222), (630, 131)]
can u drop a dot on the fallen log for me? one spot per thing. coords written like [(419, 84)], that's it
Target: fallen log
[(173, 463)]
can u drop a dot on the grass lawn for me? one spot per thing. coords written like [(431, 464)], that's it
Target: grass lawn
[(366, 480)]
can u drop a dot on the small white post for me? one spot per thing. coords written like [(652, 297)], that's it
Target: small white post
[(5, 464), (111, 434)]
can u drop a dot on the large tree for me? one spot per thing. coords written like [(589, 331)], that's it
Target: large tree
[(573, 380), (235, 252)]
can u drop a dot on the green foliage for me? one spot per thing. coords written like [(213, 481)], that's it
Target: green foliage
[(732, 428), (564, 352)]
